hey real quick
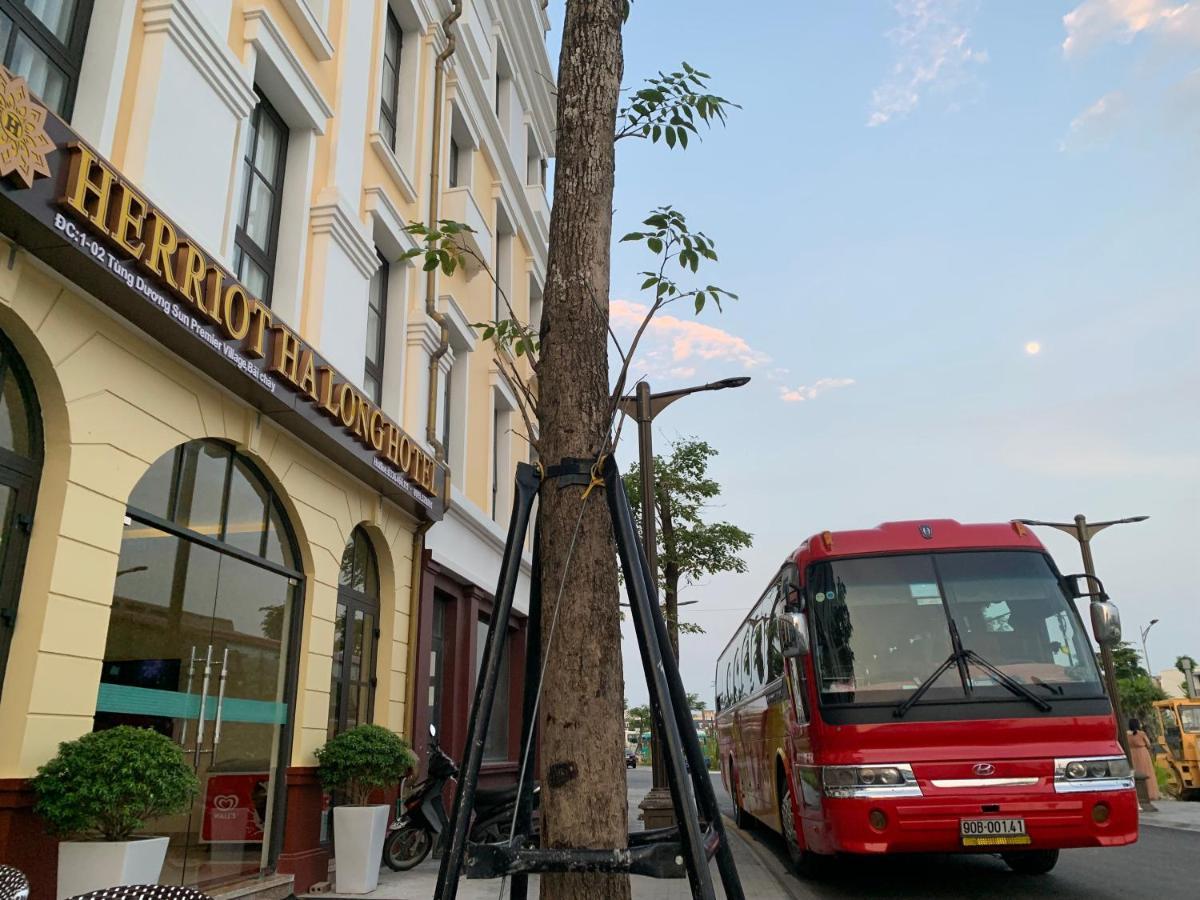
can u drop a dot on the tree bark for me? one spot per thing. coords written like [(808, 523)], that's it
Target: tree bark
[(583, 800)]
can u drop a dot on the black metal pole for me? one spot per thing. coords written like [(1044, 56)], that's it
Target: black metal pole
[(706, 797), (533, 674), (652, 643), (485, 687)]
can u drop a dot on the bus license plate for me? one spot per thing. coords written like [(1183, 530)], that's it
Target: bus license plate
[(993, 832)]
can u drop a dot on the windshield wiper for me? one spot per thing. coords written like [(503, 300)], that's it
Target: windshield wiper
[(961, 658), (1052, 688)]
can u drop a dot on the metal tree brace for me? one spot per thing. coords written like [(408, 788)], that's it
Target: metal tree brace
[(659, 853)]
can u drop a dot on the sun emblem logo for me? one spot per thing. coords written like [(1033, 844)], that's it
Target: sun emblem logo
[(23, 139)]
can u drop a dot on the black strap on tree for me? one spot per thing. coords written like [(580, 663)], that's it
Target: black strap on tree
[(676, 852)]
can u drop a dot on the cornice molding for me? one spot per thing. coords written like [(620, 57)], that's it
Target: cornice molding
[(212, 59), (334, 218), (481, 525), (387, 217), (264, 35), (407, 189), (310, 29)]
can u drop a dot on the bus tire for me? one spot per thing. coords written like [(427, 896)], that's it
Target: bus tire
[(787, 825), (741, 818), (1031, 862)]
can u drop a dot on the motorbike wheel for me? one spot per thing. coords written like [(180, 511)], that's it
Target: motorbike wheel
[(406, 847)]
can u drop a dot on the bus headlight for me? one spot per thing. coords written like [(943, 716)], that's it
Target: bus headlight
[(890, 780), (1099, 773)]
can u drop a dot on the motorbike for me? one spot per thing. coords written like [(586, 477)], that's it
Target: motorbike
[(422, 818)]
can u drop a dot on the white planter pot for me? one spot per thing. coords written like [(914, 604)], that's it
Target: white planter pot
[(85, 866), (358, 833)]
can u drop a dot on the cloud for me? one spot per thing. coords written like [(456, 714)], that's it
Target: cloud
[(671, 341), (810, 392), (932, 53), (1097, 22), (1097, 124), (680, 348)]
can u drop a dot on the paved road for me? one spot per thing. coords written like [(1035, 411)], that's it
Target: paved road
[(1164, 864)]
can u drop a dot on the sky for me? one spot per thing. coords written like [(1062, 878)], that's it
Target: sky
[(966, 242)]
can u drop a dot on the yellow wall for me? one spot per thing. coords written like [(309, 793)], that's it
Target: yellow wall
[(112, 403)]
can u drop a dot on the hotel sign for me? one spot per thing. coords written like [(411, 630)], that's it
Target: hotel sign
[(126, 251)]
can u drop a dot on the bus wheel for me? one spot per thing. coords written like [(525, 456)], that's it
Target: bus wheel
[(741, 818), (788, 823), (1031, 862)]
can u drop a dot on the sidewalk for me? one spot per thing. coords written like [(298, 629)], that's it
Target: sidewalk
[(763, 878), (1174, 814)]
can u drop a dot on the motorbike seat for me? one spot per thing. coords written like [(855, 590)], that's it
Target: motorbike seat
[(496, 796)]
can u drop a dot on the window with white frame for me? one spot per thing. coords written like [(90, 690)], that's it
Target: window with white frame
[(502, 265), (377, 294), (455, 159), (256, 236), (389, 90), (501, 461), (42, 41)]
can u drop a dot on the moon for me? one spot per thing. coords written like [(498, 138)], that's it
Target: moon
[(1033, 348)]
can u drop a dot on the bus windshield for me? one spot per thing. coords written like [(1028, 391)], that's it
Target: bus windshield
[(881, 627)]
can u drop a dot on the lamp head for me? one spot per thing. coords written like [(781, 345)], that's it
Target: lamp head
[(730, 382)]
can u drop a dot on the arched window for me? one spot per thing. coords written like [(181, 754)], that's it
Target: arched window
[(355, 636), (201, 647), (20, 466)]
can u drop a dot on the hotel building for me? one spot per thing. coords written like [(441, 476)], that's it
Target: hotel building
[(255, 464)]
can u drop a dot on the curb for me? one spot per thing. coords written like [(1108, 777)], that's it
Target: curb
[(790, 885)]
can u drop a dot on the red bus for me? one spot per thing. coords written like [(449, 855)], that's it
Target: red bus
[(922, 687)]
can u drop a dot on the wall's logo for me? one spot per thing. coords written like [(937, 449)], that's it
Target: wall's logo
[(23, 139), (927, 532), (983, 770)]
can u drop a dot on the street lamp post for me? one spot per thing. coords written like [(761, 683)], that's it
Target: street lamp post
[(1145, 655), (643, 406), (1083, 531)]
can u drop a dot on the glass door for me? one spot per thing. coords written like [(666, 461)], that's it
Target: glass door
[(158, 666), (197, 650), (238, 761)]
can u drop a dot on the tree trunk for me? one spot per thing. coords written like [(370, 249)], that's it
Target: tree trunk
[(582, 729)]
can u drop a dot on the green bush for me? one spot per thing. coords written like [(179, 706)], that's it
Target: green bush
[(108, 784), (361, 760)]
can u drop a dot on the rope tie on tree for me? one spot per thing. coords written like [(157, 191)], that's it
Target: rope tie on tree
[(587, 473)]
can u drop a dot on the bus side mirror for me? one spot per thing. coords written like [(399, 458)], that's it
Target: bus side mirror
[(1106, 622), (1085, 586), (793, 634)]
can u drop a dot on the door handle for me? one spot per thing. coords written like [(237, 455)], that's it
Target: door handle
[(220, 701), (188, 692), (203, 701)]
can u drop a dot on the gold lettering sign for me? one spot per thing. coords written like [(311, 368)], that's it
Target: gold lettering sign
[(97, 196)]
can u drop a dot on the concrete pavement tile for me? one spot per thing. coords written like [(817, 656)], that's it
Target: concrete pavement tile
[(763, 877)]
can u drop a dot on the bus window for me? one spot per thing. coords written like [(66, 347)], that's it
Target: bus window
[(774, 653), (760, 654)]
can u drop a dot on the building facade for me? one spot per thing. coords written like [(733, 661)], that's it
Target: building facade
[(254, 460)]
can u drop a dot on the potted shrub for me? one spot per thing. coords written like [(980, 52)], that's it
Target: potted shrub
[(355, 764), (98, 792)]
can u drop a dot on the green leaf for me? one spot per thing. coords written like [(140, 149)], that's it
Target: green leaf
[(683, 138), (670, 135), (654, 136), (699, 301), (654, 244), (633, 236), (653, 279), (431, 262)]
